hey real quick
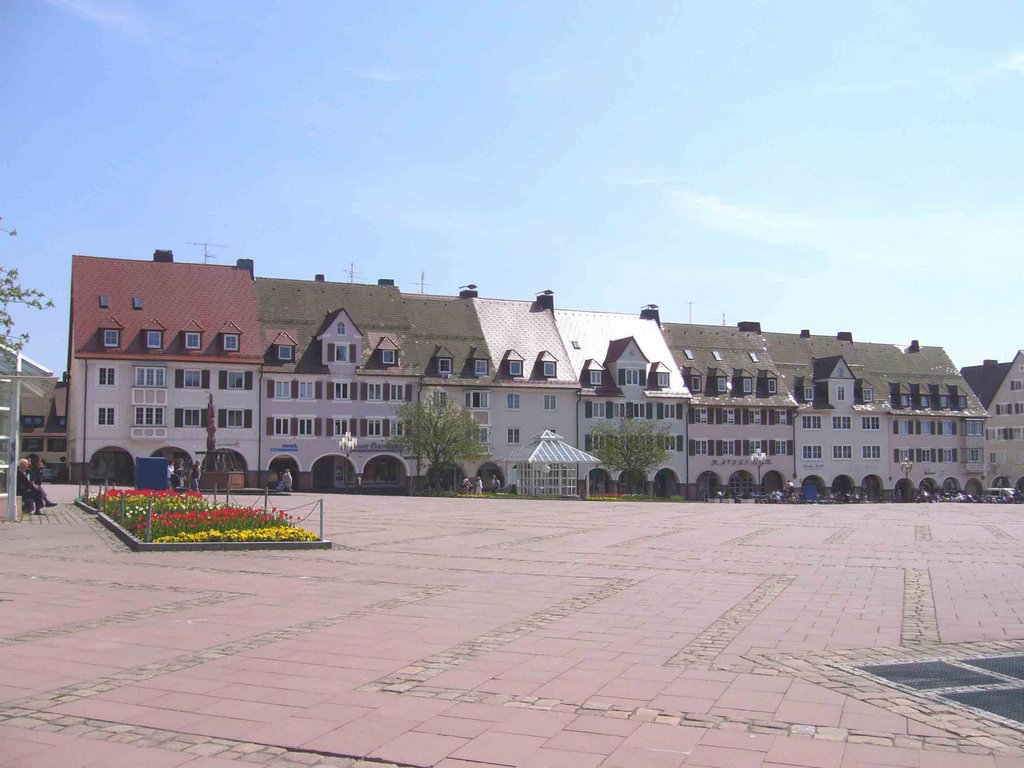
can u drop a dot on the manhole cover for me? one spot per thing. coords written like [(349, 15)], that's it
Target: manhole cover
[(1011, 666), (930, 674), (1005, 703)]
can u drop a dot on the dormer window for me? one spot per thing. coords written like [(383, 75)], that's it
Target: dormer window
[(111, 337), (515, 367), (480, 367), (387, 357), (444, 366), (549, 368), (723, 385), (748, 385), (695, 383), (154, 339), (773, 386), (905, 401), (943, 401), (662, 380), (925, 401), (231, 342), (340, 328), (193, 340), (962, 402), (869, 394), (340, 353), (595, 378), (285, 352), (808, 394)]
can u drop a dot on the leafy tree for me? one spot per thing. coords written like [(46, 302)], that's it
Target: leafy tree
[(440, 431), (11, 292), (631, 446)]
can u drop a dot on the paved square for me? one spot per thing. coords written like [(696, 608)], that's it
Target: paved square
[(461, 632)]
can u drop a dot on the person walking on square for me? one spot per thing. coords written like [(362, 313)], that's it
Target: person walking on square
[(194, 475)]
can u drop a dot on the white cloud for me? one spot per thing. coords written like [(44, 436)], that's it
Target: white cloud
[(112, 16), (1012, 63)]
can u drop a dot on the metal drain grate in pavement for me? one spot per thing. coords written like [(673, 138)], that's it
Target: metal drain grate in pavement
[(930, 674), (1011, 666), (1008, 703)]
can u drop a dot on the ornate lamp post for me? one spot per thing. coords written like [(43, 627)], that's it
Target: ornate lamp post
[(907, 466), (759, 459), (346, 445)]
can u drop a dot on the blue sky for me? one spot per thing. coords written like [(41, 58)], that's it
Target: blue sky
[(804, 164)]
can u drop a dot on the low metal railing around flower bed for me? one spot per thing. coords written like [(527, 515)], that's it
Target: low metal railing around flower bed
[(189, 517)]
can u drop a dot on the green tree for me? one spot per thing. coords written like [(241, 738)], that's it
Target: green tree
[(11, 292), (439, 431), (631, 446)]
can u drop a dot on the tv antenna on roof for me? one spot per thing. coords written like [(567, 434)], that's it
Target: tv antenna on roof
[(423, 281), (206, 250)]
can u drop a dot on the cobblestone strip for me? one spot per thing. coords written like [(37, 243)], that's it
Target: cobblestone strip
[(710, 643), (648, 538), (922, 533), (920, 623), (840, 536), (250, 752), (751, 536), (431, 537), (998, 532), (515, 543), (89, 688), (432, 666)]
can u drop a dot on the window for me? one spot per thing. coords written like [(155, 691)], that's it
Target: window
[(444, 366), (397, 391), (515, 367), (947, 427), (231, 342), (485, 435), (387, 357), (700, 415), (236, 380), (723, 384), (962, 401), (662, 379), (149, 416), (60, 444), (868, 394), (842, 452), (105, 416), (477, 400), (728, 416), (753, 357), (926, 428), (282, 390), (513, 436), (340, 427), (512, 401), (192, 379), (305, 426), (1016, 385), (104, 301), (136, 302), (869, 423), (575, 344), (974, 455), (549, 368), (926, 401), (149, 377), (630, 376), (871, 451), (688, 353), (154, 339), (841, 423), (480, 367), (905, 401), (695, 383), (193, 340), (307, 390), (754, 416), (728, 447), (340, 328), (440, 398), (944, 401), (341, 391), (812, 451), (811, 422), (374, 427), (773, 386), (550, 402), (808, 394), (280, 425), (598, 410), (595, 378), (840, 393), (284, 352), (234, 418), (32, 444), (111, 337), (902, 427), (106, 377), (715, 353), (340, 353), (192, 417), (397, 428), (700, 447), (748, 385), (374, 392), (781, 448), (782, 417)]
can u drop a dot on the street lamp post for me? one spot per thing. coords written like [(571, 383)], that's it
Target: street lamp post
[(346, 445), (907, 466), (759, 459)]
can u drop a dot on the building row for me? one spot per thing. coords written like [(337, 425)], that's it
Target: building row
[(167, 358)]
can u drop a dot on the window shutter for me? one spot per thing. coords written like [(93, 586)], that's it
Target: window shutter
[(771, 447), (588, 441), (318, 427), (387, 391), (362, 391), (691, 417), (935, 427), (693, 447), (270, 425), (330, 390), (622, 376), (318, 390), (650, 410), (387, 427), (205, 379), (295, 389), (609, 410), (179, 417), (352, 353), (408, 393), (330, 427), (661, 410), (954, 455), (719, 416), (204, 418), (222, 417), (679, 443), (746, 415), (764, 415), (588, 411), (895, 427), (718, 447), (248, 380), (680, 407), (179, 379), (746, 447), (330, 352), (953, 424), (789, 447), (294, 426), (247, 418), (362, 427), (270, 389), (917, 427), (353, 390), (895, 455), (222, 379)]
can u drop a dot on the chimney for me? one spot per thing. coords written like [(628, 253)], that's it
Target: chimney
[(163, 257), (914, 346), (650, 312), (748, 326), (385, 281), (318, 278), (845, 336), (546, 300), (805, 334), (468, 291), (247, 265), (990, 362)]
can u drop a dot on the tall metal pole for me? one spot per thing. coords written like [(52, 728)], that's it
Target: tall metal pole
[(321, 519), (15, 429)]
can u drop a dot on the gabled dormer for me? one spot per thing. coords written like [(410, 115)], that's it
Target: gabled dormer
[(442, 362), (283, 348), (478, 363), (659, 376), (385, 352), (742, 382), (594, 375), (340, 338), (230, 337), (512, 365), (899, 395), (110, 331), (767, 383), (153, 335), (192, 336), (546, 366), (718, 383), (833, 381), (628, 362)]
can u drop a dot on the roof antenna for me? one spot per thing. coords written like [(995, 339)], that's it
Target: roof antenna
[(206, 250), (723, 318)]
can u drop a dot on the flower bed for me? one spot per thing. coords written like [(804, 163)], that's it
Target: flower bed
[(632, 497), (189, 517)]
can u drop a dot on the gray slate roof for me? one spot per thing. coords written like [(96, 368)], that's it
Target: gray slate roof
[(527, 329), (986, 379)]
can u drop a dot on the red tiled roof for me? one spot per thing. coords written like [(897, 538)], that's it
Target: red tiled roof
[(175, 295)]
